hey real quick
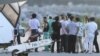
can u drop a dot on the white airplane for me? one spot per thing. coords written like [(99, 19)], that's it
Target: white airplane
[(26, 46)]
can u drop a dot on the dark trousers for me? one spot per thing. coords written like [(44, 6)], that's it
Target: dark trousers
[(71, 43), (64, 43), (55, 38), (95, 43), (58, 46), (34, 32), (35, 39), (18, 39), (16, 32)]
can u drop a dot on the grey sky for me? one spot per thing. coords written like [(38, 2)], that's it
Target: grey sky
[(9, 1), (64, 2)]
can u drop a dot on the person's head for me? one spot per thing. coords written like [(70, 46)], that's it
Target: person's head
[(45, 19), (57, 18), (69, 15), (78, 19), (86, 18), (62, 17), (66, 17), (50, 17), (34, 15), (92, 19), (72, 18)]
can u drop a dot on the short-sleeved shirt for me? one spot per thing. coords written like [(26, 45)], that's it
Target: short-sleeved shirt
[(34, 23)]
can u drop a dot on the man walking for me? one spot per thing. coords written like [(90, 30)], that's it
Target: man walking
[(34, 25)]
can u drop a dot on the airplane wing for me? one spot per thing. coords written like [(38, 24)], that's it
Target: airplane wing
[(25, 46)]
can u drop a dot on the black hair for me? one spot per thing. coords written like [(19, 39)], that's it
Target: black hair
[(92, 19), (77, 19), (62, 16), (34, 15), (71, 18), (57, 18), (45, 17), (69, 15), (50, 17)]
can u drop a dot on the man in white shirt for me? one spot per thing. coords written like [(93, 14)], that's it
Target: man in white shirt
[(91, 27), (34, 22), (34, 25)]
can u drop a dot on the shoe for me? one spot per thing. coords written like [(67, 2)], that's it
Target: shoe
[(87, 52), (96, 52), (52, 52), (83, 51), (58, 52)]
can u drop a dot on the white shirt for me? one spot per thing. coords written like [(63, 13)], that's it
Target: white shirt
[(61, 32), (91, 27), (34, 23), (61, 21)]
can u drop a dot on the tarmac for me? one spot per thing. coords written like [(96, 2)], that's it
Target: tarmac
[(54, 54), (45, 53)]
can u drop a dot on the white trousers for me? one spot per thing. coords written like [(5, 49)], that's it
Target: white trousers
[(88, 42)]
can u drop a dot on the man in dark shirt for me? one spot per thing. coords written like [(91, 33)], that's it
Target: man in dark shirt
[(95, 43), (56, 34)]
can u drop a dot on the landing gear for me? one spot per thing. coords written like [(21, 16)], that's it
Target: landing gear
[(20, 54)]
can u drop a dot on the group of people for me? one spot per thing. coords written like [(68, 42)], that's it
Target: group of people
[(71, 34)]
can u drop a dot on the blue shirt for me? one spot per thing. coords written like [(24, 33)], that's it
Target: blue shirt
[(72, 28)]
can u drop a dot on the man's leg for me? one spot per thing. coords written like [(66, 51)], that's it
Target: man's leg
[(81, 45), (66, 43), (69, 43), (85, 43), (58, 46), (77, 44), (91, 38), (46, 36), (52, 46), (62, 43), (96, 45), (36, 49), (73, 43), (18, 39)]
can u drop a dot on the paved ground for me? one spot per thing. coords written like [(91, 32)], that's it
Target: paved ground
[(52, 54)]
